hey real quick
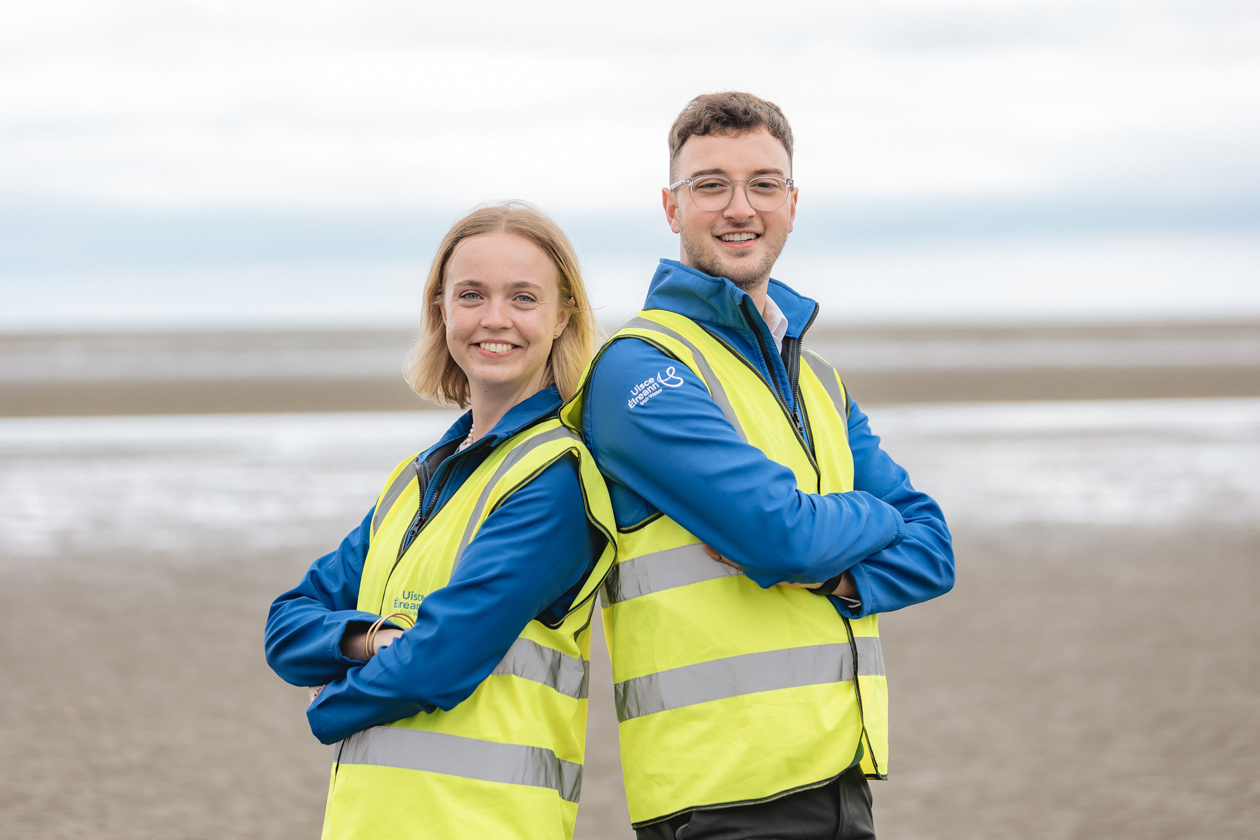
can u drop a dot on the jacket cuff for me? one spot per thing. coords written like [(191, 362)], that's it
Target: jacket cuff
[(352, 618), (900, 523), (316, 722)]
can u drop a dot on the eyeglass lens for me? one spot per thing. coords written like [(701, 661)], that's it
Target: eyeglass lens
[(764, 194)]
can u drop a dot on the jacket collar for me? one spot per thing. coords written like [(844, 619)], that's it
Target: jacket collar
[(715, 300), (524, 413)]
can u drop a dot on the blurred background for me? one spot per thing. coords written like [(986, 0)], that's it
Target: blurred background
[(1034, 229)]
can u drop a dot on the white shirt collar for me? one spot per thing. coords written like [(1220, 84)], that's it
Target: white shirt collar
[(776, 321)]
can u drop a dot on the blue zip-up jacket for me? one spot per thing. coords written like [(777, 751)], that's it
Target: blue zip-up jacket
[(677, 453), (527, 561)]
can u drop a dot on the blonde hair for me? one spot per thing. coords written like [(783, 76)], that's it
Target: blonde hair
[(432, 372)]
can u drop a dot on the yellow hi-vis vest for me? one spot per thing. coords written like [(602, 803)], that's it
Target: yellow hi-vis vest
[(506, 762), (728, 693)]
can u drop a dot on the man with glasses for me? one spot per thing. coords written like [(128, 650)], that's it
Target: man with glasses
[(761, 527)]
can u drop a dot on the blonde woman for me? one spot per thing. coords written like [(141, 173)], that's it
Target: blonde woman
[(448, 635)]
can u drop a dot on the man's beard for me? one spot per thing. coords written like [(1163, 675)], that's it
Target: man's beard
[(745, 275)]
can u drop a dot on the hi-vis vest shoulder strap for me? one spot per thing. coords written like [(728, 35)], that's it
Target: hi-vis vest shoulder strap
[(506, 762), (727, 693)]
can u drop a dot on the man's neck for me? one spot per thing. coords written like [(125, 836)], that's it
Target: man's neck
[(761, 299), (759, 296), (758, 292)]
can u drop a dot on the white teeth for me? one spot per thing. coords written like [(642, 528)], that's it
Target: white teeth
[(492, 347), (737, 237)]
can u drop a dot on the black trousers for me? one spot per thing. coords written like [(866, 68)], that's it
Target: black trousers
[(839, 810)]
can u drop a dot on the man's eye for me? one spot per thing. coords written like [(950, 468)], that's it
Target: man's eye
[(765, 185), (710, 186)]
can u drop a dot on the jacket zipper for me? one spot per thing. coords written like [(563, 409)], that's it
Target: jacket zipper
[(417, 525), (794, 368), (765, 357), (792, 421), (420, 521)]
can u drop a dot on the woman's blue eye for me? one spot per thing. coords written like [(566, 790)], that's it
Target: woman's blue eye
[(469, 296)]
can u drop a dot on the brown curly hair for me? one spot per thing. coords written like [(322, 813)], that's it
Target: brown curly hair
[(730, 112)]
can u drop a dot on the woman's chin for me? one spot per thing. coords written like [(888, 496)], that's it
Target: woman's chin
[(504, 383)]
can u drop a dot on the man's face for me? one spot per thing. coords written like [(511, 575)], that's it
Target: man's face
[(736, 242)]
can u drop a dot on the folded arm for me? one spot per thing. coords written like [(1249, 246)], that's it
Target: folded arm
[(307, 624), (528, 560), (679, 453), (921, 566)]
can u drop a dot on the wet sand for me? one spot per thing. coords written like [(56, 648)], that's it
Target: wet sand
[(1082, 682), (361, 370)]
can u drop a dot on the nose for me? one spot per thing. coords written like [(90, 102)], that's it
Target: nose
[(496, 314), (739, 207)]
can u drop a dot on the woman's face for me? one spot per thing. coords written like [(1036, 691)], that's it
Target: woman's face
[(501, 306)]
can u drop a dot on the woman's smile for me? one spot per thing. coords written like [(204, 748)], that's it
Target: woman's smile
[(495, 348), (502, 310)]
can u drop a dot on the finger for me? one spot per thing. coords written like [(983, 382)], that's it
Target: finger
[(718, 557)]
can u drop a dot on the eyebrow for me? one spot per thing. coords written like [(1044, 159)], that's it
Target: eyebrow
[(513, 286), (774, 170)]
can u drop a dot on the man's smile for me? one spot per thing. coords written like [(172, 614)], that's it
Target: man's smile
[(738, 241)]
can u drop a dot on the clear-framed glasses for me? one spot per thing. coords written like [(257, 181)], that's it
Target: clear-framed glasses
[(766, 193)]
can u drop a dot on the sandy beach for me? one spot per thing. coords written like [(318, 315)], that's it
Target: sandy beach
[(1046, 697), (1091, 675)]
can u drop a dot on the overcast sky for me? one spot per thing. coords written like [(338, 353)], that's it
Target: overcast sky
[(162, 149)]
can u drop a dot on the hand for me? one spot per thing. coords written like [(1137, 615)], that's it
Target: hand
[(846, 588), (718, 557), (354, 642)]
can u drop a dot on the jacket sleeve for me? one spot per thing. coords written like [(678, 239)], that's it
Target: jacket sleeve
[(531, 553), (679, 453), (305, 625), (921, 566)]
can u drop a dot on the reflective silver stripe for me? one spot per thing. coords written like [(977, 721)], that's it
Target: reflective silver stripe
[(661, 570), (468, 758), (828, 376), (870, 656), (510, 461), (531, 661), (747, 674), (715, 385), (400, 483)]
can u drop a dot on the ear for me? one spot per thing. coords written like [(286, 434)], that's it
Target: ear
[(561, 323), (792, 209), (669, 200)]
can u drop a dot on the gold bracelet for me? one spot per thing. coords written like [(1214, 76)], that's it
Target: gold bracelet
[(369, 641)]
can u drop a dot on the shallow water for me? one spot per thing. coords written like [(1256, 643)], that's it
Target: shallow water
[(243, 482)]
